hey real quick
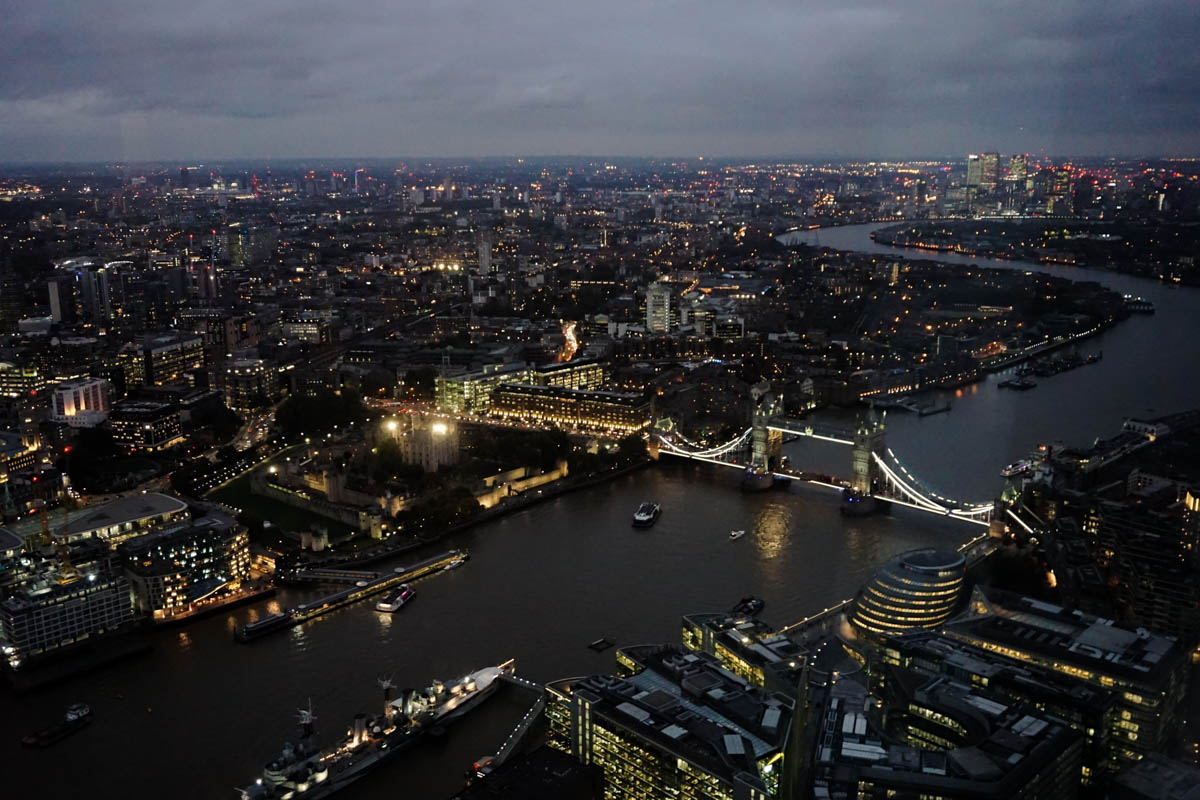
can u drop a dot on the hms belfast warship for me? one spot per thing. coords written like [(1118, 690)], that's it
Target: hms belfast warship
[(305, 771)]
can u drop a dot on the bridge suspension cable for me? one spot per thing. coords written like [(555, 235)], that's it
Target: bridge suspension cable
[(711, 452), (925, 489)]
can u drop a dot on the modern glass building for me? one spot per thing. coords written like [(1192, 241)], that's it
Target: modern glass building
[(678, 725), (917, 589)]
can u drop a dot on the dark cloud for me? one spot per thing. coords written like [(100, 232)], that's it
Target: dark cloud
[(226, 78)]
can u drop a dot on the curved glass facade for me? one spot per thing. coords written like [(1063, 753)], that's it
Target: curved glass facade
[(917, 589)]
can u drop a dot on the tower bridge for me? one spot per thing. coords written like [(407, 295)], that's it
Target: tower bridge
[(878, 477)]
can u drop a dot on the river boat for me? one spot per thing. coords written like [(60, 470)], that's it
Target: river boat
[(313, 772), (736, 535), (396, 600), (1018, 384), (77, 717), (646, 515), (749, 605), (1015, 469)]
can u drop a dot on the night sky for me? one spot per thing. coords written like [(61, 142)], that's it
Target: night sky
[(165, 79)]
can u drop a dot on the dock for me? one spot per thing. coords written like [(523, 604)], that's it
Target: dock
[(324, 605), (322, 575)]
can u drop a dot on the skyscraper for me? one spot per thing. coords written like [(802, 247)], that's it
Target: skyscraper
[(990, 171), (658, 309)]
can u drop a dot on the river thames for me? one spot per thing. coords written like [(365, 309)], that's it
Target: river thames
[(201, 714)]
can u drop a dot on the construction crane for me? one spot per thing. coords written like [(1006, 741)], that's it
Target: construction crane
[(66, 570)]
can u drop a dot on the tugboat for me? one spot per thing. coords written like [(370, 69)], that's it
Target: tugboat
[(397, 599), (646, 515), (304, 770), (76, 718), (749, 606)]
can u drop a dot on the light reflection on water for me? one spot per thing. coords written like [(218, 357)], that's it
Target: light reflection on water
[(772, 529)]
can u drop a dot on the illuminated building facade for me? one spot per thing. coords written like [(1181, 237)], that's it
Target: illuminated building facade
[(1146, 670), (84, 400), (917, 589), (55, 611), (749, 648), (126, 518), (551, 406), (585, 373), (431, 443), (678, 725), (159, 360), (146, 426), (936, 738), (250, 384), (313, 330), (472, 391), (661, 311), (1156, 559), (1091, 710), (18, 381), (171, 570)]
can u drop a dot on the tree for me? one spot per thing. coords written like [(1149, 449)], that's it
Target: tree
[(302, 414), (419, 384), (631, 449)]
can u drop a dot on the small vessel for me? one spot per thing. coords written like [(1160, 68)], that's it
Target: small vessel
[(1020, 384), (646, 514), (603, 643), (749, 605), (77, 717), (1138, 305), (456, 563), (306, 770), (736, 535), (397, 599), (1015, 469)]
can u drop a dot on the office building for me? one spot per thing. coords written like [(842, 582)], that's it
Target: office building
[(472, 391), (1147, 670), (676, 724), (161, 359), (1157, 777), (127, 517), (313, 330), (81, 403), (172, 570), (1155, 558), (20, 381), (917, 589), (65, 607), (936, 738), (250, 383), (983, 172), (749, 648), (1091, 710), (551, 406), (145, 426), (584, 373), (16, 454), (661, 309)]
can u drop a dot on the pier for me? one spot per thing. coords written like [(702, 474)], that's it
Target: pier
[(324, 605)]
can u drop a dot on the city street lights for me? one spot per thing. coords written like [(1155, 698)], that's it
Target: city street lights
[(392, 426)]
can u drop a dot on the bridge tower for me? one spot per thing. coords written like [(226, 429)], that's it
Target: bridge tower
[(766, 443), (869, 441)]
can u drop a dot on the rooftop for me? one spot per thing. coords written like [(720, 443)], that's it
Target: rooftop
[(1073, 637), (688, 705), (1004, 745), (127, 509)]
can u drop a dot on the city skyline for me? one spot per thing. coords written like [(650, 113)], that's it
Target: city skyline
[(471, 81)]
